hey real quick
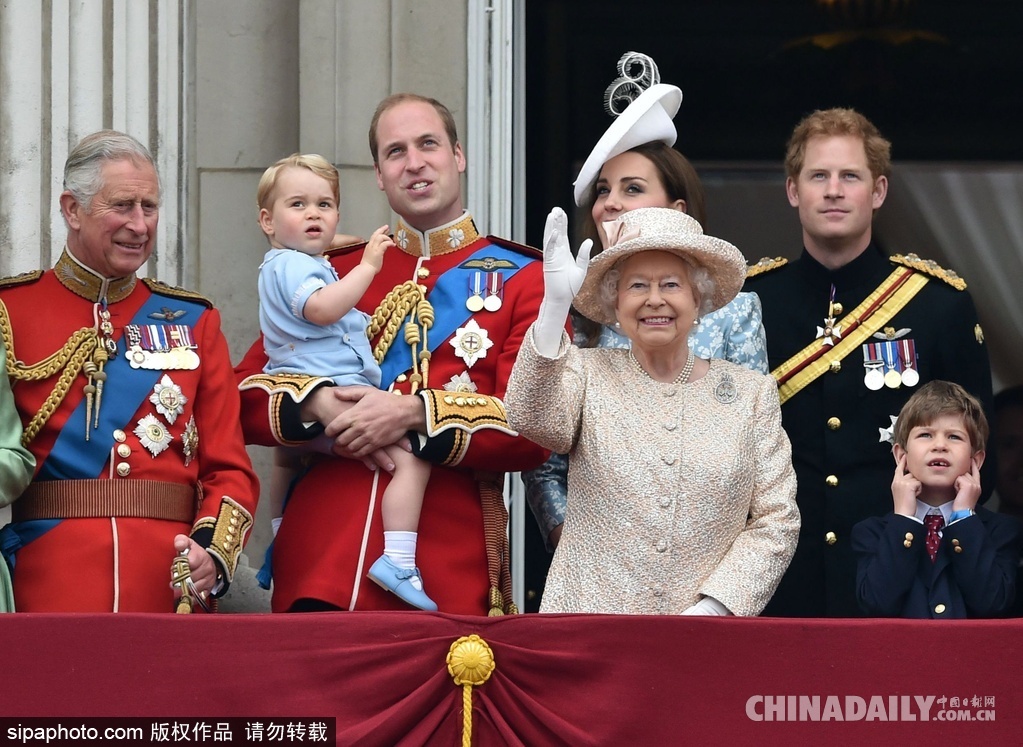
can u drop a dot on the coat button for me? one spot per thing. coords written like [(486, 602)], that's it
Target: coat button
[(939, 609), (124, 469), (830, 538), (836, 309), (834, 424), (119, 436), (832, 481), (662, 546), (835, 366), (123, 451), (669, 460)]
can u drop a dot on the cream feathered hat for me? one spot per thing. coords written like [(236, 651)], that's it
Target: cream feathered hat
[(664, 229)]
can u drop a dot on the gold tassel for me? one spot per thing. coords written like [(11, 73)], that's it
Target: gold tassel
[(470, 663)]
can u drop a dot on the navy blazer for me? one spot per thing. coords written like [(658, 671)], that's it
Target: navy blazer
[(974, 574)]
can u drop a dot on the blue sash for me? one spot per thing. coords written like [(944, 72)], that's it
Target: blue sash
[(448, 298), (72, 457)]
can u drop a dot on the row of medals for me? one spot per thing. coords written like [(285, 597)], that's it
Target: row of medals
[(485, 291), (885, 365)]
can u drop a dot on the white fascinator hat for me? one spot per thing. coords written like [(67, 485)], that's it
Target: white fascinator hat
[(643, 116)]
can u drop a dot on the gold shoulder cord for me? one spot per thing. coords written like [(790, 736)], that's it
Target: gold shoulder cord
[(69, 360), (405, 300)]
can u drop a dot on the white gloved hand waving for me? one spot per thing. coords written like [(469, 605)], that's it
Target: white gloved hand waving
[(563, 275)]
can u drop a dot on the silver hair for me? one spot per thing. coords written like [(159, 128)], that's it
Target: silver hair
[(700, 281), (82, 177)]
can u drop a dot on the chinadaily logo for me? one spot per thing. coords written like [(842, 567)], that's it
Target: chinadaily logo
[(870, 708)]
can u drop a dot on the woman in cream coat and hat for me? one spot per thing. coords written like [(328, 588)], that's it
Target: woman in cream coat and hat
[(634, 165), (681, 495)]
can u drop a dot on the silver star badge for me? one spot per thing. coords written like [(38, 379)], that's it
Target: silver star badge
[(169, 400), (471, 343), (888, 434), (460, 383), (153, 435), (190, 441)]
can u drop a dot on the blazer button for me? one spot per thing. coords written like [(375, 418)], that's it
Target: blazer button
[(832, 481), (830, 538)]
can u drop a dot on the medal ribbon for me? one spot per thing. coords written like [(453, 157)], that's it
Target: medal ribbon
[(876, 309), (72, 457), (448, 300)]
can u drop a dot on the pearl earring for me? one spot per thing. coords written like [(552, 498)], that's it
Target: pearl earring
[(696, 322)]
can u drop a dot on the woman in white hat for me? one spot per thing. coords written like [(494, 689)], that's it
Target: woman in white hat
[(681, 496), (634, 165)]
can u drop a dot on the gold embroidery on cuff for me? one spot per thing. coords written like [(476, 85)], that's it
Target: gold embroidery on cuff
[(464, 412), (296, 386), (229, 534)]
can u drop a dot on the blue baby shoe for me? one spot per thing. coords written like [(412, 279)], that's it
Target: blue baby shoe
[(406, 583)]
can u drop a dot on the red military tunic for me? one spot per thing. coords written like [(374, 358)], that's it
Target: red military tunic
[(190, 436), (319, 550)]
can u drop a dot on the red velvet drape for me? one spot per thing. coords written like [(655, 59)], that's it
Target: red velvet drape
[(559, 679)]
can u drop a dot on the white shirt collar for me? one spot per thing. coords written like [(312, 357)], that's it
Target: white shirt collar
[(922, 509)]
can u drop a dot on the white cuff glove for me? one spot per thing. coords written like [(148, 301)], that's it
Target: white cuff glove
[(708, 606), (562, 277)]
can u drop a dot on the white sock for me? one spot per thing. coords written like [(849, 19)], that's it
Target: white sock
[(400, 547)]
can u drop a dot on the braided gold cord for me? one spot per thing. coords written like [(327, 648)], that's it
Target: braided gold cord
[(69, 360), (404, 301), (466, 715), (389, 316)]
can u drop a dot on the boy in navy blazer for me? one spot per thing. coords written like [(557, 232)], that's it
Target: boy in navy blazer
[(938, 554)]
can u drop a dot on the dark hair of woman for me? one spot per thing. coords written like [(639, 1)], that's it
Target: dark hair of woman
[(680, 182)]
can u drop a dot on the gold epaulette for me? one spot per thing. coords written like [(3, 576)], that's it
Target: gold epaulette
[(765, 265), (21, 279), (528, 251), (929, 267), (161, 288)]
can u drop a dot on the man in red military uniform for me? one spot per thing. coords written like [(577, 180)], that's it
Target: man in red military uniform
[(450, 308), (126, 395)]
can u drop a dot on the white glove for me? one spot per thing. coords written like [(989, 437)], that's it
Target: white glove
[(563, 275), (708, 606)]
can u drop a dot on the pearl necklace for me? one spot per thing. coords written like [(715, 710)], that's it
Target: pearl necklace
[(682, 378)]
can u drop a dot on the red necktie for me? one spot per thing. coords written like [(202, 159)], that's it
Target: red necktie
[(934, 523)]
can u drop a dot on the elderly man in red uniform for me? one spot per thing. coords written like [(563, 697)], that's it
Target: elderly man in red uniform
[(450, 308), (126, 394)]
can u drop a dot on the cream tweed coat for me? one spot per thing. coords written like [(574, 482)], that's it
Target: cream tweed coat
[(674, 491)]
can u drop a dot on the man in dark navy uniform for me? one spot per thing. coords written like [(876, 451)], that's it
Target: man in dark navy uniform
[(852, 333)]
